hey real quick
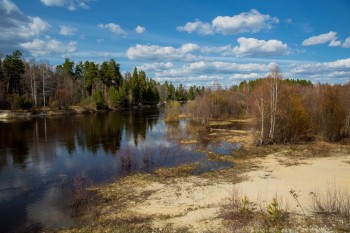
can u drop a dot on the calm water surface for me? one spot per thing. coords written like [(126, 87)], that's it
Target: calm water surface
[(39, 158)]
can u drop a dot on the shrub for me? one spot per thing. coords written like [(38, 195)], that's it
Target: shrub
[(98, 99)]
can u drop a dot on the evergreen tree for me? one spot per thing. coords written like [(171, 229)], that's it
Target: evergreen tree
[(13, 68)]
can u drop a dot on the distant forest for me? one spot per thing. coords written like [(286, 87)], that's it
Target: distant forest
[(27, 84), (285, 110)]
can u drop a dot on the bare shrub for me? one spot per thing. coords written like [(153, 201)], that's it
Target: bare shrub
[(332, 207), (80, 194)]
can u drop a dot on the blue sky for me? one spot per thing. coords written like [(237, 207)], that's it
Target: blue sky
[(189, 42)]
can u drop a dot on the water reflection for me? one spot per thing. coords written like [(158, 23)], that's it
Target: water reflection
[(40, 157)]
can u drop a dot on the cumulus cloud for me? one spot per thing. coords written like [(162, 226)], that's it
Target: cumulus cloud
[(156, 52), (197, 26), (71, 5), (213, 68), (114, 28), (339, 69), (239, 77), (139, 29), (39, 47), (225, 49), (330, 37), (346, 43), (255, 47), (67, 30), (16, 27), (252, 22), (156, 67)]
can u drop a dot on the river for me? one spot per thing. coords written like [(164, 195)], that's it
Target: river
[(41, 157)]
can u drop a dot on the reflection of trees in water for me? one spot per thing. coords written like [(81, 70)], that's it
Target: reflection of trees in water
[(40, 137), (12, 140), (173, 131), (149, 158)]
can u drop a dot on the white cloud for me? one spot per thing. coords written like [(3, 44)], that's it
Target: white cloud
[(217, 49), (330, 37), (139, 29), (15, 27), (255, 47), (339, 69), (189, 47), (252, 22), (114, 28), (39, 47), (213, 68), (67, 30), (156, 52), (53, 2), (9, 6), (244, 76), (346, 43), (71, 5), (197, 26), (157, 66)]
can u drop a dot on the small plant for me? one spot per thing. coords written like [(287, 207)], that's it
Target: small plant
[(275, 218), (238, 211)]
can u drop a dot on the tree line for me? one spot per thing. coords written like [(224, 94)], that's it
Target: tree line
[(284, 110), (27, 83)]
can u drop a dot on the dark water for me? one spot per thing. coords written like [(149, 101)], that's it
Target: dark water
[(40, 157)]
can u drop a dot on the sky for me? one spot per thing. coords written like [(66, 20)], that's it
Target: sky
[(203, 42)]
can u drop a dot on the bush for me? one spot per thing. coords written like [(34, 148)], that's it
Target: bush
[(98, 99), (22, 102)]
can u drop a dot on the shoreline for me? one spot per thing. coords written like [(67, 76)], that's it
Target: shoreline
[(184, 202), (71, 110)]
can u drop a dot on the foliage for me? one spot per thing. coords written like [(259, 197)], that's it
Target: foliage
[(22, 102), (13, 67), (98, 99)]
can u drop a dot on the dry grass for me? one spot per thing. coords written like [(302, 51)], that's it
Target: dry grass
[(243, 215), (179, 171), (332, 207)]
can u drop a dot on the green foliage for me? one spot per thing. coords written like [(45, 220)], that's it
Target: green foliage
[(22, 102), (13, 67), (117, 98), (98, 99), (275, 212)]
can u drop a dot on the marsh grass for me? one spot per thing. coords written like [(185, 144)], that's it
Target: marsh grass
[(179, 171)]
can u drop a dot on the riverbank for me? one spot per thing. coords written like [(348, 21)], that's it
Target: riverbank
[(47, 111), (175, 200)]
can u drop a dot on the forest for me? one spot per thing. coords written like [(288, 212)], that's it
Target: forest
[(31, 84), (284, 110)]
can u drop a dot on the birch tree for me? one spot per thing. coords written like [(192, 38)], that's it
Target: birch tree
[(274, 78)]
